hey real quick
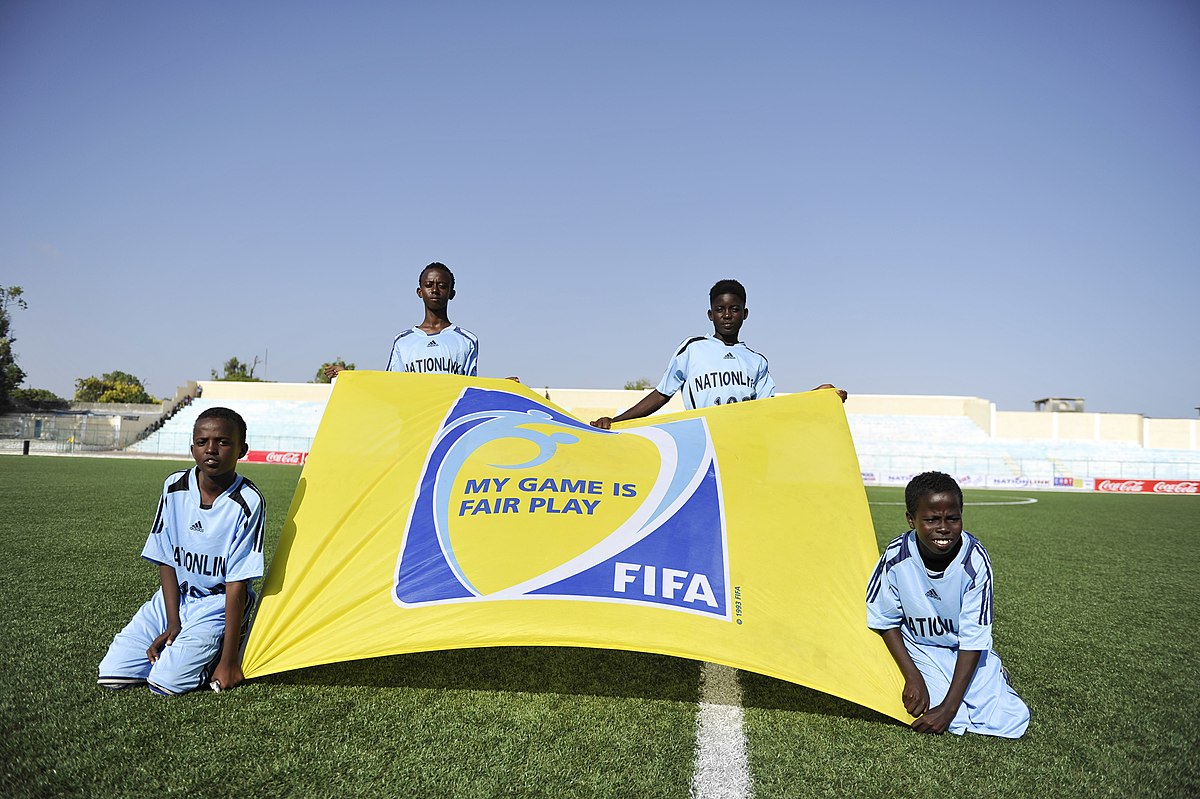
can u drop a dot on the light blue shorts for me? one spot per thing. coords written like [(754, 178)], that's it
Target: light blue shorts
[(990, 706), (183, 666)]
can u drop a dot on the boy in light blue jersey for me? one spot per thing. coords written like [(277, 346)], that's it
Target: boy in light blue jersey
[(207, 539), (930, 598), (711, 370), (436, 346)]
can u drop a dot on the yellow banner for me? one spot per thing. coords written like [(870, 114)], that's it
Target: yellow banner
[(441, 512)]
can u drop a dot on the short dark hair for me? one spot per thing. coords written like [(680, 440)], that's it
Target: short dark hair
[(228, 415), (436, 265), (727, 286), (929, 483)]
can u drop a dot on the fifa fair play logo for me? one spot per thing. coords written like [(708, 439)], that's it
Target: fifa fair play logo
[(517, 501)]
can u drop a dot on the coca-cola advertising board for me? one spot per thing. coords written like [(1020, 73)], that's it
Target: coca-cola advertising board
[(275, 456), (1120, 486)]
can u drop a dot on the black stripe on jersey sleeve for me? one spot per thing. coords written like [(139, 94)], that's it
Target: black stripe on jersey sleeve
[(759, 354), (689, 343), (902, 552), (236, 496), (182, 483), (157, 527), (893, 553), (257, 546), (876, 581), (467, 334)]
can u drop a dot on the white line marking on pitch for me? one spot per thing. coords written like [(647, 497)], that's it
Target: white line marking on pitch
[(722, 767), (1021, 501)]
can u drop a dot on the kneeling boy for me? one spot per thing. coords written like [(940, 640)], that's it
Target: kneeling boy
[(930, 598), (207, 540)]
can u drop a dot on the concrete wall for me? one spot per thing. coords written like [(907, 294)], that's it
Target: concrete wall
[(95, 430), (280, 392), (1130, 428), (1172, 433), (589, 404), (976, 409)]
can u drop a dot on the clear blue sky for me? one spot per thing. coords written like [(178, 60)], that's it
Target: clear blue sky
[(999, 200)]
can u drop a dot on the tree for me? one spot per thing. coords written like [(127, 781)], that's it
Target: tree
[(238, 372), (11, 375), (641, 384), (39, 399), (112, 387), (321, 378)]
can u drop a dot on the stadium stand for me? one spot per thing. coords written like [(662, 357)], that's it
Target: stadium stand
[(952, 438), (272, 425)]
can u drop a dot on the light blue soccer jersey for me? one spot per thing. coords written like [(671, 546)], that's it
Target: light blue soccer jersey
[(710, 372), (208, 547), (453, 351), (950, 609)]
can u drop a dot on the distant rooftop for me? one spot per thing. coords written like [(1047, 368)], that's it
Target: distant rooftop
[(1059, 405)]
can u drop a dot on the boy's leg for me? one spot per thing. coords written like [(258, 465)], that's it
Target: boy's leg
[(990, 706), (247, 620), (126, 663), (185, 665), (936, 665), (993, 706)]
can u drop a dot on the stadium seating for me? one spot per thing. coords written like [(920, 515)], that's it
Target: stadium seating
[(887, 443), (906, 444), (282, 425)]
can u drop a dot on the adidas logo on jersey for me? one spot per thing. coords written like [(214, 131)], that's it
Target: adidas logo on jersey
[(197, 527), (431, 344), (933, 594), (729, 356)]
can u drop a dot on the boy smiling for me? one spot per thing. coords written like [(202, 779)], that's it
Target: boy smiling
[(930, 597)]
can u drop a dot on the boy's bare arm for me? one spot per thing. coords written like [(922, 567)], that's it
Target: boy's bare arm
[(228, 673), (646, 406), (937, 719), (170, 590), (840, 392), (915, 694)]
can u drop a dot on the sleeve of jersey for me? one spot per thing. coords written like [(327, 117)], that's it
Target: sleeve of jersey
[(975, 624), (158, 547), (472, 365), (672, 379), (245, 560), (765, 385), (395, 360), (883, 601)]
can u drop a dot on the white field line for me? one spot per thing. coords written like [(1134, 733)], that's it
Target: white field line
[(722, 767)]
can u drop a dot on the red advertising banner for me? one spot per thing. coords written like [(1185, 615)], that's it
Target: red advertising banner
[(273, 456), (1148, 486)]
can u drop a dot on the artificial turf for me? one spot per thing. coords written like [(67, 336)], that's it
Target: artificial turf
[(1095, 607)]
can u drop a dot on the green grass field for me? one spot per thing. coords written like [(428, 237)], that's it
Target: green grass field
[(1095, 617)]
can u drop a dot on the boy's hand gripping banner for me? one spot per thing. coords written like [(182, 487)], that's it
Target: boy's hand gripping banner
[(440, 512)]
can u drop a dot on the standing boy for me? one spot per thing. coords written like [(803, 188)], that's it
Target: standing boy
[(930, 598), (711, 370), (207, 540), (436, 345)]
